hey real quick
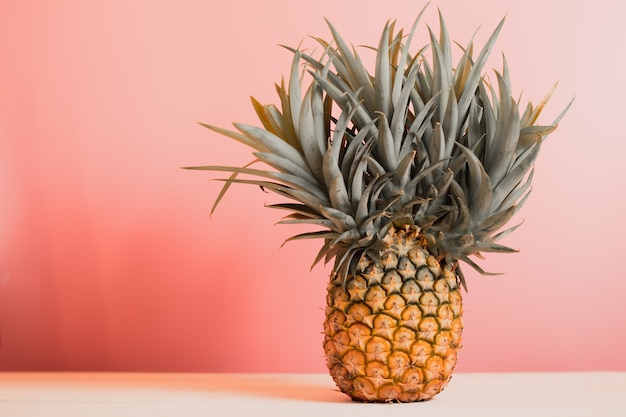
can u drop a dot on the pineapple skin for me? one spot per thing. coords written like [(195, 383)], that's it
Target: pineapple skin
[(393, 327)]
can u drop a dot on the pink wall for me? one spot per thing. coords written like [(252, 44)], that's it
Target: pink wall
[(109, 260)]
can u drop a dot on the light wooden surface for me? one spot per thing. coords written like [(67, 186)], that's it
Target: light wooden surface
[(592, 394)]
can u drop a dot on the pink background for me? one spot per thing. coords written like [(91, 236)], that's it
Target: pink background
[(108, 257)]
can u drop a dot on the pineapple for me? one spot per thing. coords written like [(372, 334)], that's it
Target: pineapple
[(406, 172)]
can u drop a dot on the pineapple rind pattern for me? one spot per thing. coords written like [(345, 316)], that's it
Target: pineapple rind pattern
[(393, 327)]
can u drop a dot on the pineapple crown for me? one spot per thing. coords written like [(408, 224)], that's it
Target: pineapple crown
[(420, 143)]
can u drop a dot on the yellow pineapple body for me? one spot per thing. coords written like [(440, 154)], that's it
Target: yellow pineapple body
[(393, 328)]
